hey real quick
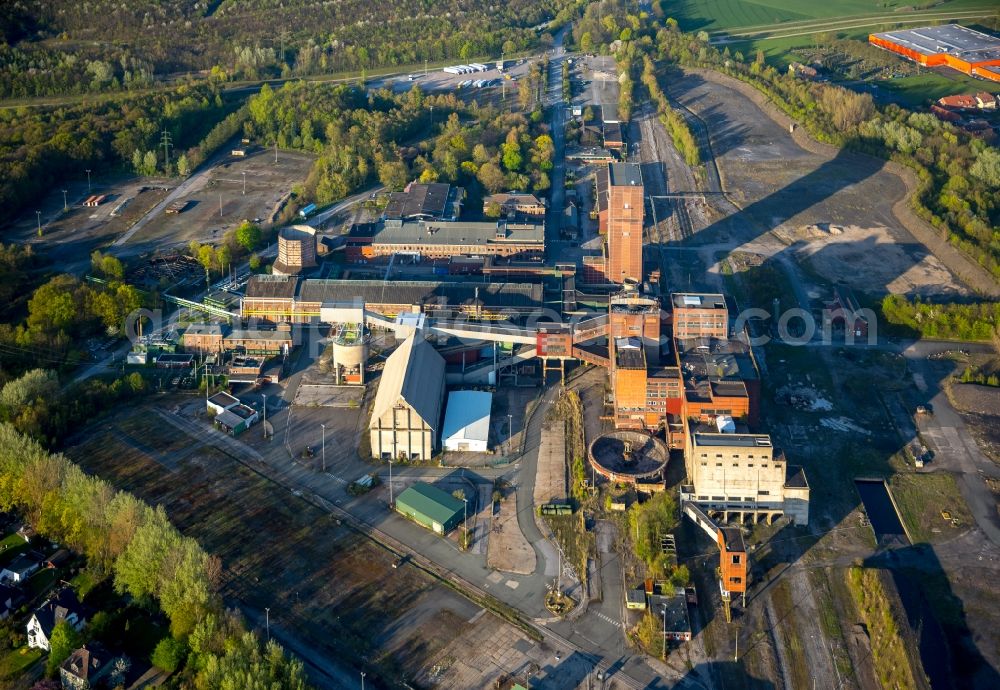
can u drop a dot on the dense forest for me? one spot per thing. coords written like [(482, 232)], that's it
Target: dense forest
[(394, 138), (61, 47)]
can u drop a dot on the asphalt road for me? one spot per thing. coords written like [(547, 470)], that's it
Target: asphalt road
[(554, 102)]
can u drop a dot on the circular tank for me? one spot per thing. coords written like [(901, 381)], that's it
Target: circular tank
[(350, 347), (629, 456)]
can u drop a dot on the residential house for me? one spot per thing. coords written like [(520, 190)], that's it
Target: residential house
[(803, 71), (980, 129), (58, 559), (512, 203), (90, 666), (986, 101), (19, 570), (959, 102), (61, 606), (10, 599)]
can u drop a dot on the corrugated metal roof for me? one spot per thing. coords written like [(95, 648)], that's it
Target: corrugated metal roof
[(420, 292), (464, 232), (468, 416), (419, 200), (430, 501), (413, 374), (271, 287)]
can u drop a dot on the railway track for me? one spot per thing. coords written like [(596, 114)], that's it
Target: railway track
[(674, 209)]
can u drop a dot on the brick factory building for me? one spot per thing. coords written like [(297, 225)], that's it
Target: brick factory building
[(209, 338), (289, 299), (696, 315), (419, 241), (951, 45), (624, 225)]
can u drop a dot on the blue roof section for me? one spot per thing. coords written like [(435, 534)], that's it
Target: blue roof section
[(468, 416)]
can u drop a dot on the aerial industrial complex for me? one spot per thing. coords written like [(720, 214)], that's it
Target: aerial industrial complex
[(683, 378), (442, 381)]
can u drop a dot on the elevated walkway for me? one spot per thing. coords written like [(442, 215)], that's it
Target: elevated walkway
[(471, 331), (591, 357), (590, 329), (700, 518)]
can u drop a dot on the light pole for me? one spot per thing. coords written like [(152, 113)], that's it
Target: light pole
[(323, 452), (510, 432), (39, 214), (267, 621), (363, 680), (465, 522), (265, 415), (390, 484), (244, 183), (65, 204), (664, 612), (88, 180)]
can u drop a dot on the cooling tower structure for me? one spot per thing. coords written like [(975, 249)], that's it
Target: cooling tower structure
[(296, 250)]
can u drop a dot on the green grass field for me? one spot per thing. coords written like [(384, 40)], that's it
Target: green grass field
[(930, 86), (16, 661), (719, 15)]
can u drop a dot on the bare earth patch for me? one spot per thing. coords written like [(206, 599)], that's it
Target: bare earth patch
[(873, 258), (509, 551)]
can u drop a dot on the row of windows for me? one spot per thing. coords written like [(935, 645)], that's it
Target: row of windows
[(736, 464), (733, 498)]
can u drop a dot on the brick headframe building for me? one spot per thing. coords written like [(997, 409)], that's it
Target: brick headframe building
[(625, 210)]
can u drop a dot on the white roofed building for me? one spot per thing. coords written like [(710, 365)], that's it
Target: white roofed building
[(467, 421)]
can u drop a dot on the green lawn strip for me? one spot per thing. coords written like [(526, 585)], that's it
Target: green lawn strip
[(16, 661)]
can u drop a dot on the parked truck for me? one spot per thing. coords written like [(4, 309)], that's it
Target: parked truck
[(307, 211)]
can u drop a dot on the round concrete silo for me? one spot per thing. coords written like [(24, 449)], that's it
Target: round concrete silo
[(351, 350)]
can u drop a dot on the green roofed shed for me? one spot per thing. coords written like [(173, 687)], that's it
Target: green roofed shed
[(431, 507)]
